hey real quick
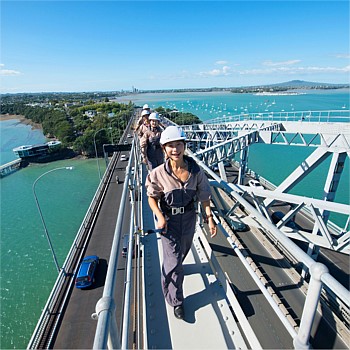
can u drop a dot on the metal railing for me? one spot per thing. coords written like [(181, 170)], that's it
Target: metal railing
[(75, 254), (319, 275), (299, 116), (107, 333)]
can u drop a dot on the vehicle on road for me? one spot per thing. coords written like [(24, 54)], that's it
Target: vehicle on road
[(238, 226), (125, 246), (123, 157), (85, 277), (125, 142), (277, 216), (129, 136), (255, 183), (226, 164)]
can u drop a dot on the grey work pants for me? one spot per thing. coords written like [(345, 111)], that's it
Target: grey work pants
[(176, 243), (155, 157)]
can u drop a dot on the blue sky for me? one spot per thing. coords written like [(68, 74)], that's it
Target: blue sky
[(114, 45)]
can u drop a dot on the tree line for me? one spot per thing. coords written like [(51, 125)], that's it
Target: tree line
[(180, 118), (77, 126), (76, 129)]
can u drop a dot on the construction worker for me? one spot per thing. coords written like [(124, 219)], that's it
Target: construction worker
[(172, 190), (151, 150)]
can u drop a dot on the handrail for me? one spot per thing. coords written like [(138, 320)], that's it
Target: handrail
[(106, 330), (300, 255), (304, 116), (318, 272), (129, 272), (71, 256)]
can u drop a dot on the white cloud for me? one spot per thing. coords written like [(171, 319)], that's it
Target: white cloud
[(294, 70), (284, 63), (221, 63), (224, 71), (346, 56), (8, 72)]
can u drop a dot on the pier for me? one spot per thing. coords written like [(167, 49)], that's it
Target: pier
[(11, 167)]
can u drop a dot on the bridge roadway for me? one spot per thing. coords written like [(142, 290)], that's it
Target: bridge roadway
[(77, 329)]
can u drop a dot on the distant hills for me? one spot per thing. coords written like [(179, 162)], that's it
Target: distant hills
[(97, 95), (304, 84), (279, 87)]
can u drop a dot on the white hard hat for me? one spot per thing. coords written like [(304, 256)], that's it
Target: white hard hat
[(172, 133), (154, 116), (145, 106), (145, 112)]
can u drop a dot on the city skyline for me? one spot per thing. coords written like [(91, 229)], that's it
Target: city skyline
[(54, 46)]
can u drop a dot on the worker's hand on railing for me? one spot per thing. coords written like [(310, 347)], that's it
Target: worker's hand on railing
[(212, 227)]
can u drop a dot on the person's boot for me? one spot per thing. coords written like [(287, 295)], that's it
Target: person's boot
[(179, 312)]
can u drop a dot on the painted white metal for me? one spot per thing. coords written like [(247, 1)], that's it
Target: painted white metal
[(106, 324), (310, 306), (128, 280), (230, 295), (329, 138)]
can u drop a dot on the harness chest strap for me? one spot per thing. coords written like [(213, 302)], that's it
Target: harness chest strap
[(177, 210)]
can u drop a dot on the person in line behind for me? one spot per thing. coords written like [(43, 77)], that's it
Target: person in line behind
[(151, 150), (146, 107), (172, 190), (143, 123)]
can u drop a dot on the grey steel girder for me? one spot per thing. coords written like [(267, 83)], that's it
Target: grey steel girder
[(329, 237), (332, 140), (225, 150)]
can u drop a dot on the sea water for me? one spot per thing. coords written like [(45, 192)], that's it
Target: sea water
[(210, 105), (273, 162), (27, 268)]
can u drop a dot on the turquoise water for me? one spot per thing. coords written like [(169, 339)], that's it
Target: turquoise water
[(272, 162), (13, 134), (27, 268), (212, 105)]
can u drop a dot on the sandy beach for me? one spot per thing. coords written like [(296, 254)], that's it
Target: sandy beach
[(21, 119)]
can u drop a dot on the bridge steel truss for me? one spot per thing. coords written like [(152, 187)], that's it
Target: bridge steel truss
[(223, 141), (320, 278), (107, 332)]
